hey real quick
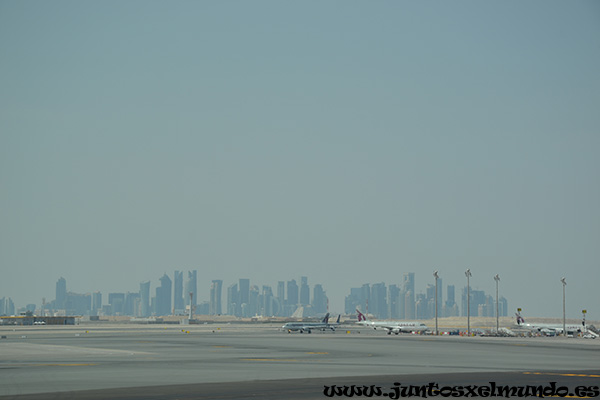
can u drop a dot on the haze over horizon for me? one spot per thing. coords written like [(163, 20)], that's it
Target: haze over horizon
[(348, 142)]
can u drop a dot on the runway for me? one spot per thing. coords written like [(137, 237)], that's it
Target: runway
[(232, 361)]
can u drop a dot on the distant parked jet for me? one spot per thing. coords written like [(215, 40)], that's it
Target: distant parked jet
[(551, 329), (309, 326), (392, 326)]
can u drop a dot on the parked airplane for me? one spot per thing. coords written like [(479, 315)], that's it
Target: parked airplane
[(309, 326), (335, 324), (392, 326), (552, 329)]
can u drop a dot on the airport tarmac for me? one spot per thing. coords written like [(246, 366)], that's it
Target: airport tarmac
[(235, 360)]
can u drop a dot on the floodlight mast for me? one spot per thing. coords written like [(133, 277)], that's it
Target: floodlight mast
[(436, 275), (497, 279), (468, 275), (564, 283)]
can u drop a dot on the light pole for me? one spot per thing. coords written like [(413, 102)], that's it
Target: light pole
[(497, 279), (564, 282), (468, 275), (435, 274)]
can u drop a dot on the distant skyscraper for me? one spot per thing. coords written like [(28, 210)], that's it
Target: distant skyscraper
[(421, 306), (96, 302), (191, 286), (450, 308), (233, 300), (117, 303), (393, 294), (304, 291), (409, 305), (291, 301), (253, 303), (409, 282), (352, 301), (319, 303), (281, 291), (401, 305), (365, 296), (132, 300), (292, 293), (145, 299), (487, 309), (378, 304), (280, 299), (178, 303), (409, 295), (244, 291), (267, 301), (7, 306), (477, 297), (358, 299), (78, 304), (215, 297), (61, 293), (163, 296)]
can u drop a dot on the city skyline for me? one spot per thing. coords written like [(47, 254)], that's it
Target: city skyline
[(282, 139), (202, 294), (243, 299)]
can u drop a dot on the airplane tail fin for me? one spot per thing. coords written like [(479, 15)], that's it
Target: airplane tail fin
[(361, 316), (326, 318), (520, 319), (338, 320)]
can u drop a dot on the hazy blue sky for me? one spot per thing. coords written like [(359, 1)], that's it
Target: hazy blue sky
[(347, 141)]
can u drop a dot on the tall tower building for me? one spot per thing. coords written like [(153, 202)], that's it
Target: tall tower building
[(365, 297), (393, 294), (450, 307), (61, 293), (378, 304), (281, 298), (409, 295), (233, 300), (131, 302), (292, 293), (163, 296), (304, 291), (401, 305), (409, 282), (7, 306), (96, 302), (253, 303), (409, 305), (281, 291), (178, 291), (117, 303), (244, 292), (267, 301), (320, 300), (145, 298), (215, 297)]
